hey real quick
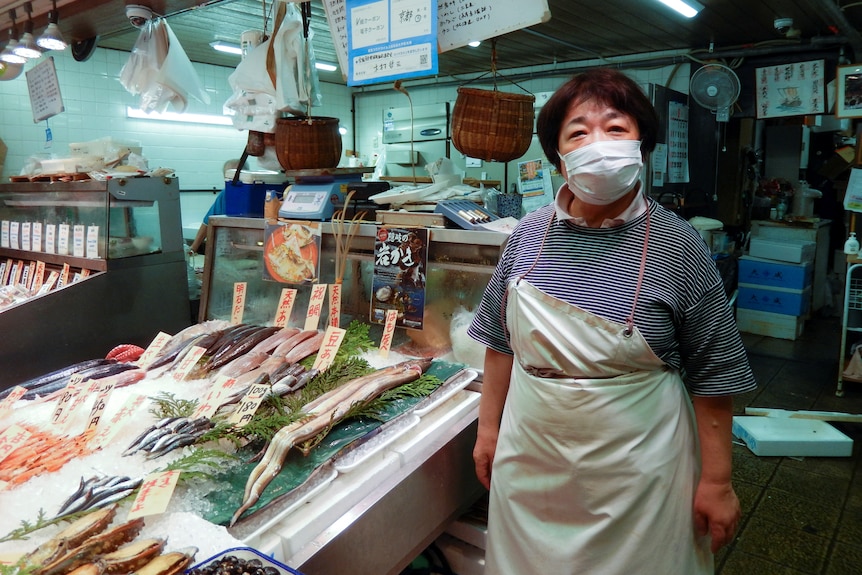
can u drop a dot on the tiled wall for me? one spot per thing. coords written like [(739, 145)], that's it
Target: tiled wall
[(95, 107)]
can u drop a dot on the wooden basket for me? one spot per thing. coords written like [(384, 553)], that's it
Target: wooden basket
[(307, 143), (492, 126)]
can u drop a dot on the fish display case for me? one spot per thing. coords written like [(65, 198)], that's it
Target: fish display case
[(378, 516), (97, 262)]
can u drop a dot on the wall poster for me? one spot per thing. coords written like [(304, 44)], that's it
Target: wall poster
[(677, 143), (400, 260), (790, 89)]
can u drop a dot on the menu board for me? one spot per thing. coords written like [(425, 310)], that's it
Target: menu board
[(45, 97)]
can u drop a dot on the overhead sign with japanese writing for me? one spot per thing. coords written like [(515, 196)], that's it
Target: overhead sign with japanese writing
[(390, 39)]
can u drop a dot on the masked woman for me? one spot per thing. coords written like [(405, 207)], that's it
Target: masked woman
[(612, 357)]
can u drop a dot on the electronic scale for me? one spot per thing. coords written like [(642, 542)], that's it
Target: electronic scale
[(316, 194)]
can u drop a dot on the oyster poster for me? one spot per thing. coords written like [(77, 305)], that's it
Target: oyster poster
[(790, 89), (400, 260)]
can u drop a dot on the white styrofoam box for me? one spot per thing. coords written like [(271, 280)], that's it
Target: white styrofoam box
[(792, 437), (471, 532), (775, 274), (777, 325), (793, 251), (774, 300), (463, 558)]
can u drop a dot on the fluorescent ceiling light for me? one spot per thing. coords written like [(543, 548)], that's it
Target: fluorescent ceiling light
[(174, 117), (688, 8), (326, 67), (474, 43), (226, 47)]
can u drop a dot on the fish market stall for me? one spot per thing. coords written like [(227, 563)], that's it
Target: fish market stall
[(415, 469)]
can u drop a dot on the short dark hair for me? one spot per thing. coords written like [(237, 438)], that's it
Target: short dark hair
[(606, 86)]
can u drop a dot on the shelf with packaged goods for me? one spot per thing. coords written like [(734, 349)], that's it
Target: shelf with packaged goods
[(133, 228)]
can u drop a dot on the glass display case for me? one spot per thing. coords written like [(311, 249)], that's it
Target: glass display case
[(459, 265), (99, 263)]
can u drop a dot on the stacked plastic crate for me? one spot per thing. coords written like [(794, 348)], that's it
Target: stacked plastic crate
[(774, 296)]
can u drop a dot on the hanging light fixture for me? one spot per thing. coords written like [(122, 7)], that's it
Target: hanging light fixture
[(8, 55), (52, 37), (27, 47)]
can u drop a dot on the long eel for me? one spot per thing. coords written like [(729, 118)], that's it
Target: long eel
[(325, 411)]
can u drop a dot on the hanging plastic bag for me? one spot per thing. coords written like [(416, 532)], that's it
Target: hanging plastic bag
[(160, 71), (297, 85)]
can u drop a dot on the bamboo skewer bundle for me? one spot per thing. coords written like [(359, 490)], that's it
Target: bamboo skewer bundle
[(344, 237)]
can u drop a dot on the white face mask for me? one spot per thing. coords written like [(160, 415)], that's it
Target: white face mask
[(604, 171)]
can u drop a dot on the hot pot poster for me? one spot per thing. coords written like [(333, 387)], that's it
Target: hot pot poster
[(400, 261)]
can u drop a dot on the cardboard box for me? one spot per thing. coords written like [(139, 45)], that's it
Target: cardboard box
[(785, 436), (776, 325), (765, 272), (774, 300), (793, 251)]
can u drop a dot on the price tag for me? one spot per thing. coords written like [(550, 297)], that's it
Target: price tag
[(155, 494), (189, 362), (334, 305), (29, 273), (7, 270), (49, 283), (4, 234), (153, 349), (25, 236), (11, 557), (102, 397), (92, 249), (50, 238), (249, 404), (38, 276), (17, 268), (107, 429), (328, 348), (63, 239), (85, 390), (36, 237), (9, 401), (78, 231), (14, 227), (315, 306), (238, 307), (388, 332), (24, 269), (65, 401), (64, 276), (11, 439), (285, 306), (209, 404)]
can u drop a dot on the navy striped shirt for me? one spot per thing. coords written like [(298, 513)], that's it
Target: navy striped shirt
[(682, 310)]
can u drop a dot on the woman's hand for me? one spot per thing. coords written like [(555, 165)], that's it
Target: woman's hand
[(483, 456), (495, 387), (716, 512)]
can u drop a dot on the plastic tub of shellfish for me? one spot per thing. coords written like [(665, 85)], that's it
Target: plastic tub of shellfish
[(256, 563)]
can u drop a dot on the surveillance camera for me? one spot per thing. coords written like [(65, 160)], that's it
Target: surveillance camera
[(138, 15), (783, 25)]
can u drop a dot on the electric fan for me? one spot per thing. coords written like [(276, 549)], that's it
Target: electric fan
[(715, 87)]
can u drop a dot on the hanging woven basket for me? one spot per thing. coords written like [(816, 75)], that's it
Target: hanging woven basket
[(492, 126), (307, 143)]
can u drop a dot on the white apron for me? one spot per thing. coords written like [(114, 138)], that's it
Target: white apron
[(597, 459)]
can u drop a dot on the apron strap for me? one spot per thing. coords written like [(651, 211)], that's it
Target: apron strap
[(630, 320)]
